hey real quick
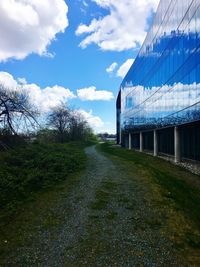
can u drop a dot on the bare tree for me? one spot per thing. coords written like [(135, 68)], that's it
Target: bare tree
[(78, 126), (59, 120), (68, 124), (16, 111)]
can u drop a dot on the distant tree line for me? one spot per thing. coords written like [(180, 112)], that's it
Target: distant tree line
[(19, 121), (106, 136), (65, 124)]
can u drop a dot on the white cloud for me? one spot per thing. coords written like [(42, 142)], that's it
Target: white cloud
[(124, 68), (112, 67), (123, 28), (94, 121), (42, 98), (28, 26), (7, 80), (85, 3), (90, 93)]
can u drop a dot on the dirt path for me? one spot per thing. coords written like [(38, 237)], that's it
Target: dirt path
[(106, 220)]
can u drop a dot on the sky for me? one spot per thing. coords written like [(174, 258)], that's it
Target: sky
[(74, 51)]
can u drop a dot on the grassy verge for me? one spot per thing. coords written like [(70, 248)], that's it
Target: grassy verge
[(33, 168), (175, 192), (34, 180), (42, 213)]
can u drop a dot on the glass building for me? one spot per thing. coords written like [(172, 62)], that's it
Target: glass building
[(158, 105)]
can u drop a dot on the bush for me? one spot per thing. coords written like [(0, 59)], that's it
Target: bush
[(35, 167)]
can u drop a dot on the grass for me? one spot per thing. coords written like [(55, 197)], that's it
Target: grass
[(174, 191), (174, 181), (102, 200), (40, 211), (33, 168), (111, 215), (33, 181)]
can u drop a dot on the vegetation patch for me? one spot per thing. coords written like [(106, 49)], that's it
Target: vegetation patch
[(101, 201), (39, 205), (111, 215), (175, 182), (175, 193), (109, 184), (36, 167)]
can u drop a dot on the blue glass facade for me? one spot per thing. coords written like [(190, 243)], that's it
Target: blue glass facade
[(162, 87)]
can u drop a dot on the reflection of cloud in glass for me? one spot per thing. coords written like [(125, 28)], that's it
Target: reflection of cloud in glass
[(171, 105), (164, 100), (162, 87), (167, 20)]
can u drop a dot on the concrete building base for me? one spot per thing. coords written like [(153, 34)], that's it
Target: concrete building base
[(129, 141), (177, 148), (155, 143), (141, 142)]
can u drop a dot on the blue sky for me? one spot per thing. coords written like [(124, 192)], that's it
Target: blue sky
[(58, 47)]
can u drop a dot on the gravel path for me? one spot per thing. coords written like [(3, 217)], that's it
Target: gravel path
[(106, 220)]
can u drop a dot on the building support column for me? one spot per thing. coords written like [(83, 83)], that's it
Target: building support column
[(120, 136), (155, 143), (141, 142), (177, 148), (129, 141)]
